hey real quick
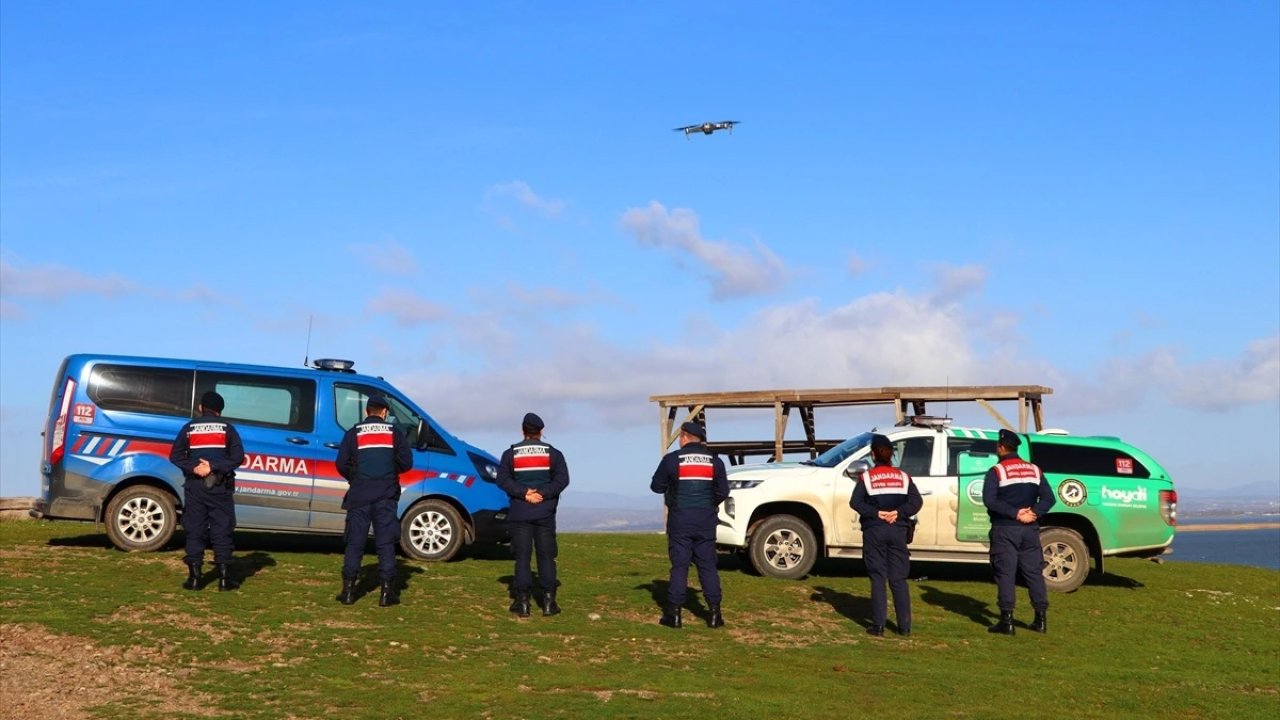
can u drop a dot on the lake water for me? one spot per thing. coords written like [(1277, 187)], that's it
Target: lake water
[(1258, 548)]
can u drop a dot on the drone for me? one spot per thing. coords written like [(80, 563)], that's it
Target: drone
[(707, 128)]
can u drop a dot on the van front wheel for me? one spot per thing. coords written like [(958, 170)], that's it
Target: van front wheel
[(432, 530), (1066, 559), (141, 519)]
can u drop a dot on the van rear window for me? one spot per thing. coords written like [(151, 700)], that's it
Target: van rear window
[(1068, 459), (135, 388)]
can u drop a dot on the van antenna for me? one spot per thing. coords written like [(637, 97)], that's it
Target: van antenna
[(306, 358)]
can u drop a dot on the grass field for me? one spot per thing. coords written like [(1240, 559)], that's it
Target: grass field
[(91, 632)]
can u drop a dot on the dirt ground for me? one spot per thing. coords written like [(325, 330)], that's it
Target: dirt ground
[(48, 676)]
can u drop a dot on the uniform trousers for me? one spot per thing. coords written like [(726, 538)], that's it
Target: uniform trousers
[(209, 518), (528, 536), (885, 552), (699, 545), (1016, 552), (386, 531)]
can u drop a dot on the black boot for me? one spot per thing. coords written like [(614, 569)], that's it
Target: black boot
[(389, 596), (348, 594), (875, 630), (715, 619), (549, 606), (1040, 624), (671, 617), (1005, 626), (224, 578), (520, 606), (195, 576)]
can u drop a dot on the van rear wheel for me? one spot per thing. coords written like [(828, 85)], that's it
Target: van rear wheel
[(1066, 559), (141, 519), (432, 530)]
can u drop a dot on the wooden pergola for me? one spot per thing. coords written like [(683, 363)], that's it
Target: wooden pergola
[(907, 402)]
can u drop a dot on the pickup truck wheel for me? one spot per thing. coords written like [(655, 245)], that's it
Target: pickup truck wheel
[(432, 530), (783, 546), (1066, 559), (141, 518)]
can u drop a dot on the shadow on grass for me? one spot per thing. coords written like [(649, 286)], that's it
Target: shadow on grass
[(854, 607), (535, 587), (98, 540), (368, 582), (658, 590), (978, 611)]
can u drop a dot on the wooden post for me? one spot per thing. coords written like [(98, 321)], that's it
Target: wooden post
[(780, 413)]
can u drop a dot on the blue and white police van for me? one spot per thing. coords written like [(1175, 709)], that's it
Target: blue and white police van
[(112, 420)]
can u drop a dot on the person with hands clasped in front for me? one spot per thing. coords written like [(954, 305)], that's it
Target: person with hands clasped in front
[(885, 499)]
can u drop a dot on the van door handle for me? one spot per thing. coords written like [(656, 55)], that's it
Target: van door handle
[(297, 441), (925, 492), (333, 445)]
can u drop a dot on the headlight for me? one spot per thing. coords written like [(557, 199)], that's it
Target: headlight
[(743, 484), (484, 467)]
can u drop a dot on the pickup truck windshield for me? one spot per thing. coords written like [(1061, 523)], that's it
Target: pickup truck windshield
[(837, 454)]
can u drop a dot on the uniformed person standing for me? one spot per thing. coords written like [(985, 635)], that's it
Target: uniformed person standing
[(208, 451), (534, 474), (885, 499), (694, 483), (1017, 496), (371, 457)]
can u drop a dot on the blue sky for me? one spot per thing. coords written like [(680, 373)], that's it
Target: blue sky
[(486, 204)]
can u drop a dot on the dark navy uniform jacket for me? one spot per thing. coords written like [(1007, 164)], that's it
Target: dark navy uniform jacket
[(1013, 484), (208, 437), (885, 487), (694, 483), (532, 465), (371, 457)]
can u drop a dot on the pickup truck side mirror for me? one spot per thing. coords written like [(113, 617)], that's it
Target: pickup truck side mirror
[(856, 468)]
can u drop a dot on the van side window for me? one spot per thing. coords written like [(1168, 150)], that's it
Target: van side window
[(132, 388), (349, 408), (914, 456), (1084, 460), (957, 445), (278, 402)]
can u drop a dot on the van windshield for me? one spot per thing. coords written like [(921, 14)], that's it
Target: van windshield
[(837, 454)]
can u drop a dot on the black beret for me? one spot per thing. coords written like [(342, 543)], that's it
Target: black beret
[(532, 422), (1010, 439), (694, 429), (376, 401), (212, 401), (878, 440)]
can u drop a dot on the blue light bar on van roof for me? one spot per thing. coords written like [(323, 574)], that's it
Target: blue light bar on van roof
[(334, 364)]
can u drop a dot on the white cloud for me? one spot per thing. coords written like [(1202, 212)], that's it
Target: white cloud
[(734, 271), (524, 195), (1223, 384), (574, 372), (1215, 385), (387, 256), (407, 309), (10, 311), (856, 266), (956, 281), (57, 282)]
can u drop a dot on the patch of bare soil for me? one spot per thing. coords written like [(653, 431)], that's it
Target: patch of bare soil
[(56, 677)]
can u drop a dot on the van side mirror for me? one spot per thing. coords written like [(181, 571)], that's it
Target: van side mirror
[(856, 468), (420, 438)]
